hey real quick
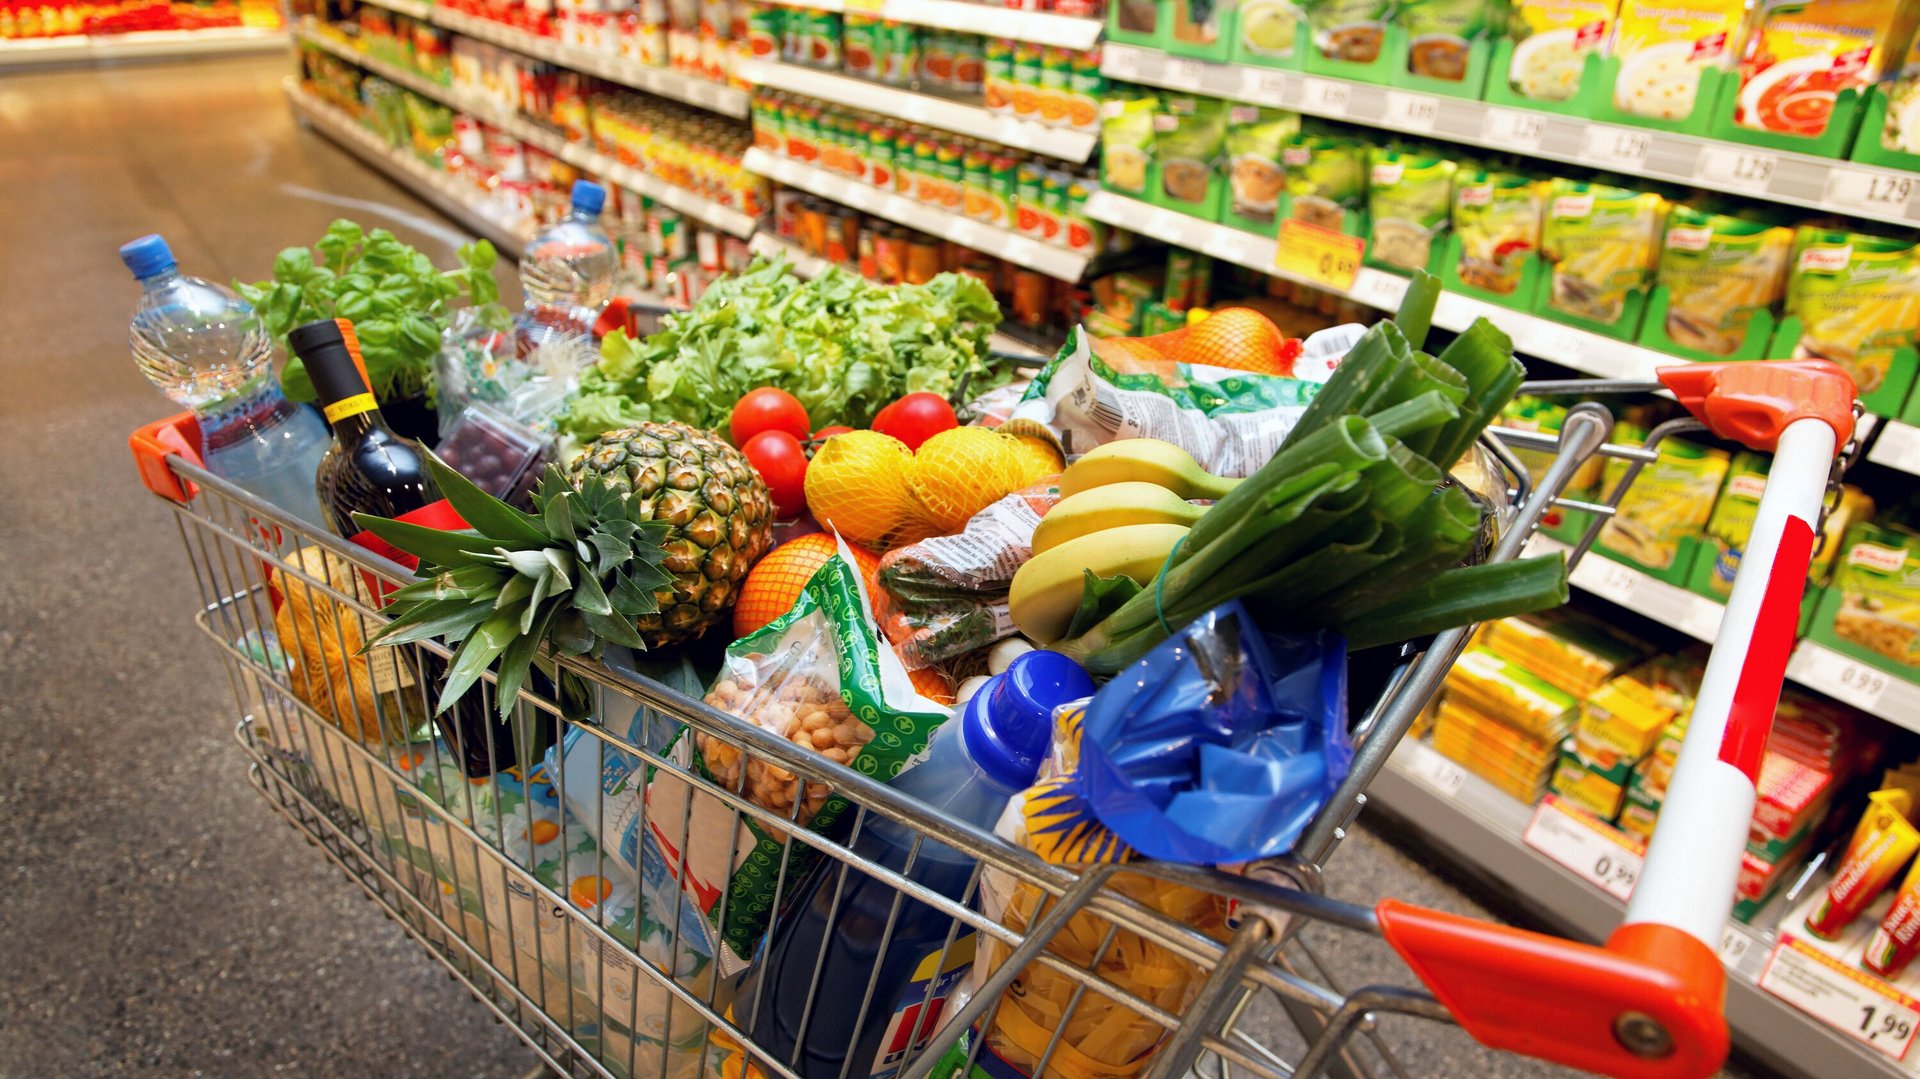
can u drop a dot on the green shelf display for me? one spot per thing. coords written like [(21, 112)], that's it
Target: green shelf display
[(1520, 299), (1848, 111), (1868, 149), (1625, 328)]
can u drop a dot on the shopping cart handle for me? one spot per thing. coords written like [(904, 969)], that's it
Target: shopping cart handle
[(1751, 402), (177, 435), (1647, 1006)]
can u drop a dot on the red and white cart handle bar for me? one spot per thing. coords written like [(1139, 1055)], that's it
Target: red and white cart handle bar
[(1649, 1005)]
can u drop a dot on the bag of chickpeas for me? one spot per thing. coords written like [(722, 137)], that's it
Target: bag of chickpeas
[(820, 677)]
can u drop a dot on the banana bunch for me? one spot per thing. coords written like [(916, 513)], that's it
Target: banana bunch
[(1123, 507)]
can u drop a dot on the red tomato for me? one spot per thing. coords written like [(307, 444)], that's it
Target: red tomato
[(782, 462), (915, 418), (768, 409), (825, 433)]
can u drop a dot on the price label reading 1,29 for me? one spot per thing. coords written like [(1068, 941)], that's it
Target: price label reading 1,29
[(1618, 146), (1596, 852), (1741, 170), (1873, 192), (1514, 129), (1851, 1001), (1415, 113)]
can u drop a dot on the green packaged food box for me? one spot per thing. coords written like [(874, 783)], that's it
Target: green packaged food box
[(1203, 29), (1444, 46), (1409, 202), (1871, 611), (1719, 281), (1348, 39), (1189, 134), (1269, 33), (1661, 518), (1601, 244), (1126, 145), (1731, 524), (1855, 300), (1494, 242), (1256, 175), (1327, 182)]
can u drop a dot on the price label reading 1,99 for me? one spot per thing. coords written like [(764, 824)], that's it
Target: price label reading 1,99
[(1849, 1000)]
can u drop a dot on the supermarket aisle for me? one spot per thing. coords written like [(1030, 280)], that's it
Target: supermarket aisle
[(158, 921)]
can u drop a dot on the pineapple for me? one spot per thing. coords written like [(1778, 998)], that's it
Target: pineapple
[(719, 510), (642, 543)]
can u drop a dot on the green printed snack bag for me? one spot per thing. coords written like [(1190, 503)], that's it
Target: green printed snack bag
[(1256, 176), (1126, 143), (1857, 298), (1878, 578), (1350, 30), (1497, 217), (1440, 33), (1669, 501), (1718, 271), (1601, 242), (1409, 198), (1188, 135), (820, 677), (1326, 180)]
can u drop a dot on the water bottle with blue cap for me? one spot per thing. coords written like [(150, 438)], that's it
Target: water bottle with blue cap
[(567, 271), (826, 947), (204, 348)]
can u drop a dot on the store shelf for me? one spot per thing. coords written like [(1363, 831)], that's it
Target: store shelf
[(666, 82), (1532, 335), (20, 53), (1897, 447), (431, 186), (1056, 262), (552, 141), (1482, 828), (1819, 183), (954, 116), (1812, 665), (1039, 27)]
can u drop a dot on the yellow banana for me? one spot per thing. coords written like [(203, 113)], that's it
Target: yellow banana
[(1131, 502), (1148, 460), (1046, 590)]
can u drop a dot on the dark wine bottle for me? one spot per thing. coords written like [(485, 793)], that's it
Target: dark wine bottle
[(370, 469)]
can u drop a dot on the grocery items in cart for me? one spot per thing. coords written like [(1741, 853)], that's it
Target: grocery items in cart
[(821, 946), (206, 349), (567, 270)]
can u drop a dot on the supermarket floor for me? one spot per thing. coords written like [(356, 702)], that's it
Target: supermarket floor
[(157, 919)]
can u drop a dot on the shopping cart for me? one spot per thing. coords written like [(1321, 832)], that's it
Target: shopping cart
[(602, 973)]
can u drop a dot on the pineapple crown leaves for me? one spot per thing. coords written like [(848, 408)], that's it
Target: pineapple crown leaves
[(574, 575)]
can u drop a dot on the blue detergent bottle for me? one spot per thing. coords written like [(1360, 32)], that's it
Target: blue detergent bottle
[(871, 1006)]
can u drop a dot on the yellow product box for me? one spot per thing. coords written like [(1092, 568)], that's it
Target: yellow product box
[(1639, 813), (1588, 788), (1619, 726), (1487, 742), (1551, 40), (1502, 689), (1525, 786), (1663, 47), (1569, 651)]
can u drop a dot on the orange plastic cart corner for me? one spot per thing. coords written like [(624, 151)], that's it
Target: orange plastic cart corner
[(1752, 401), (154, 443)]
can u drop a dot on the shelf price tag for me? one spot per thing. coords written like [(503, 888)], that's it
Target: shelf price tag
[(1735, 945), (1898, 447), (1412, 112), (1229, 245), (1322, 256), (1380, 289), (1850, 1001), (1618, 147), (1597, 853), (1739, 170), (1871, 194), (1514, 129), (1263, 85), (1325, 96), (1120, 62), (1859, 684), (1184, 73), (1436, 771)]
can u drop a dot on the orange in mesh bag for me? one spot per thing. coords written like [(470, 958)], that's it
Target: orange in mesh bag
[(1234, 337)]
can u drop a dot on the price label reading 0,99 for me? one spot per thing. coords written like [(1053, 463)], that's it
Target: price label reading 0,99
[(1601, 855), (1853, 1002), (1859, 684), (1321, 256)]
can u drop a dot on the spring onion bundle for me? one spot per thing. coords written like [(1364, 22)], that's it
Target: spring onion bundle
[(1353, 523)]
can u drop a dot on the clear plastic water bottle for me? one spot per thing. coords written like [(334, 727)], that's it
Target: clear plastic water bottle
[(567, 271), (828, 938), (203, 347)]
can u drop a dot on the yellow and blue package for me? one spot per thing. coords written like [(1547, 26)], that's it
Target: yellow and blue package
[(1218, 746)]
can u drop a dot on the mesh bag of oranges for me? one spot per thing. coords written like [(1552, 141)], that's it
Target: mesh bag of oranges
[(1226, 389)]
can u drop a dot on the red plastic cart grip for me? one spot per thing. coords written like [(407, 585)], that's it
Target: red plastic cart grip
[(1752, 401), (154, 443), (1650, 1005)]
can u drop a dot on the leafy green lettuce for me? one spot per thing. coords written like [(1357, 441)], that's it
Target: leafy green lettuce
[(843, 345)]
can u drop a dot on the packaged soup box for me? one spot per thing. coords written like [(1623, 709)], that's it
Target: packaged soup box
[(1326, 181), (1877, 579), (1718, 271), (1350, 30), (1496, 215), (1256, 174), (1901, 129), (1441, 33), (1409, 199), (1126, 143), (1799, 55), (1663, 47), (1602, 243), (1551, 40), (1189, 134), (1267, 30), (1857, 299)]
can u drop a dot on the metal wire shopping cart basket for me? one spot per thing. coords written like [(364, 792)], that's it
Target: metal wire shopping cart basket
[(594, 967)]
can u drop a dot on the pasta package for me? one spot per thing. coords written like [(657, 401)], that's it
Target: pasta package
[(1878, 578), (1663, 47), (1497, 217), (1857, 298), (1800, 54), (1409, 199), (1551, 40), (1602, 243), (1669, 501), (1718, 271)]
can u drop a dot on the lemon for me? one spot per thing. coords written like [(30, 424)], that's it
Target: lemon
[(959, 472), (857, 483), (1035, 459)]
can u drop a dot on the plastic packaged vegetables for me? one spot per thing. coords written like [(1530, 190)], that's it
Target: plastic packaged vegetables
[(1350, 525)]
